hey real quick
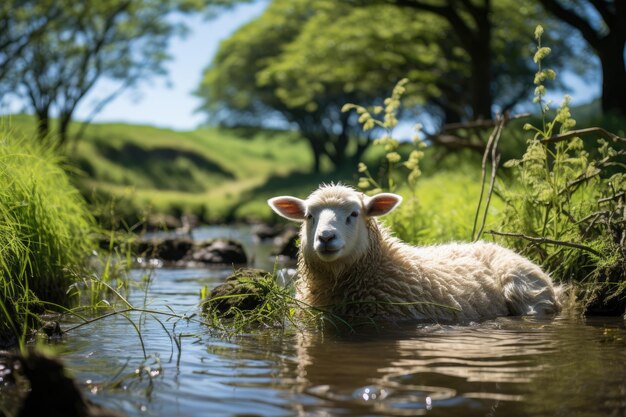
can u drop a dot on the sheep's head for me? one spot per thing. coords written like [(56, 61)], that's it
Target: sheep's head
[(335, 220)]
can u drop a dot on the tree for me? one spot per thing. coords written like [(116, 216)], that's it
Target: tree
[(238, 88), (65, 56), (302, 60), (471, 22), (493, 37), (22, 22), (605, 31)]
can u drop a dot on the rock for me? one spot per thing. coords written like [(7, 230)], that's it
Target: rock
[(266, 231), (183, 251), (171, 249), (51, 329), (239, 291), (219, 251), (287, 244), (52, 393), (160, 222)]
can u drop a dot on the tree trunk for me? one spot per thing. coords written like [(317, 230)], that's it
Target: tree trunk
[(64, 124), (338, 155), (43, 123), (613, 76), (480, 54), (608, 44), (317, 149), (482, 99)]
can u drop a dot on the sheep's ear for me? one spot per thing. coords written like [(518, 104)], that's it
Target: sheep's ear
[(291, 208), (382, 203)]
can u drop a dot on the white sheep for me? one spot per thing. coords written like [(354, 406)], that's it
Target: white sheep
[(349, 263)]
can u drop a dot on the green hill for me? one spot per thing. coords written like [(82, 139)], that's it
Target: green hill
[(217, 174), (129, 172)]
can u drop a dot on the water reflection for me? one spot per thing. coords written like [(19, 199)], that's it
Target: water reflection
[(505, 367)]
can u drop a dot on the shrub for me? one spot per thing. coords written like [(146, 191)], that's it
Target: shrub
[(45, 232), (570, 202)]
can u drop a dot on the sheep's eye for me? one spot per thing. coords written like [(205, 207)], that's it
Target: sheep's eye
[(354, 214), (309, 216)]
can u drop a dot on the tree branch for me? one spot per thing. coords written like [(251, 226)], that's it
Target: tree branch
[(583, 132), (614, 197), (604, 11), (481, 123), (573, 19), (545, 240), (492, 147)]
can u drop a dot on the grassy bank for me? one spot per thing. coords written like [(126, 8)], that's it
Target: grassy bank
[(44, 233), (128, 172), (207, 172)]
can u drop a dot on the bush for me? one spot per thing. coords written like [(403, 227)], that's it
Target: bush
[(45, 232), (570, 199)]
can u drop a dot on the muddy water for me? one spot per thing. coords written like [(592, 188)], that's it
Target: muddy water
[(505, 367)]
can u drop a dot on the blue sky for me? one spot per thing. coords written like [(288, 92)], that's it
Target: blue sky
[(169, 102)]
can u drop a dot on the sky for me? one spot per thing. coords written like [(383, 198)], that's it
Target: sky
[(169, 101)]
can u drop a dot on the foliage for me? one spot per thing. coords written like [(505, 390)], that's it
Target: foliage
[(301, 61), (218, 175), (440, 200), (45, 232), (23, 22), (336, 55), (601, 25), (568, 201), (384, 118), (77, 44), (238, 87)]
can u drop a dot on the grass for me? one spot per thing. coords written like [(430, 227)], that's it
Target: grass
[(45, 233), (444, 208), (207, 172)]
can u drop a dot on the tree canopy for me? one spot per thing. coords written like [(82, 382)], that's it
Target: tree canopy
[(54, 52), (602, 23), (302, 60)]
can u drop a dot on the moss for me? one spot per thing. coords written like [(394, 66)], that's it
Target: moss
[(245, 290)]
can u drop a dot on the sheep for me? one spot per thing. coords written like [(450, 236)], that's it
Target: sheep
[(351, 265)]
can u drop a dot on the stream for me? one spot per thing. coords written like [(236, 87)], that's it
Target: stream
[(511, 366)]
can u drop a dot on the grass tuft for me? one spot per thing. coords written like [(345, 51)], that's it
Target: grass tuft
[(45, 232)]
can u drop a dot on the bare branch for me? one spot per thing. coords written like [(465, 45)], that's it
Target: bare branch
[(615, 197), (545, 240), (485, 123), (584, 132), (574, 20), (492, 148)]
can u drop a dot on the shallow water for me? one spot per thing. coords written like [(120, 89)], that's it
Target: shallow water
[(504, 367)]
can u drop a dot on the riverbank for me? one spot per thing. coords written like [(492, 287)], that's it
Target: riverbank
[(45, 235), (132, 175)]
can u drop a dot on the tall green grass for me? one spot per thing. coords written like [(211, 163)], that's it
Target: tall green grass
[(45, 232)]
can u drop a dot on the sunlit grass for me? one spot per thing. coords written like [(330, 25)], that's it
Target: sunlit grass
[(209, 172), (446, 206), (45, 232)]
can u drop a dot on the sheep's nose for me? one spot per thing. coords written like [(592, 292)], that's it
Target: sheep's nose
[(326, 236)]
